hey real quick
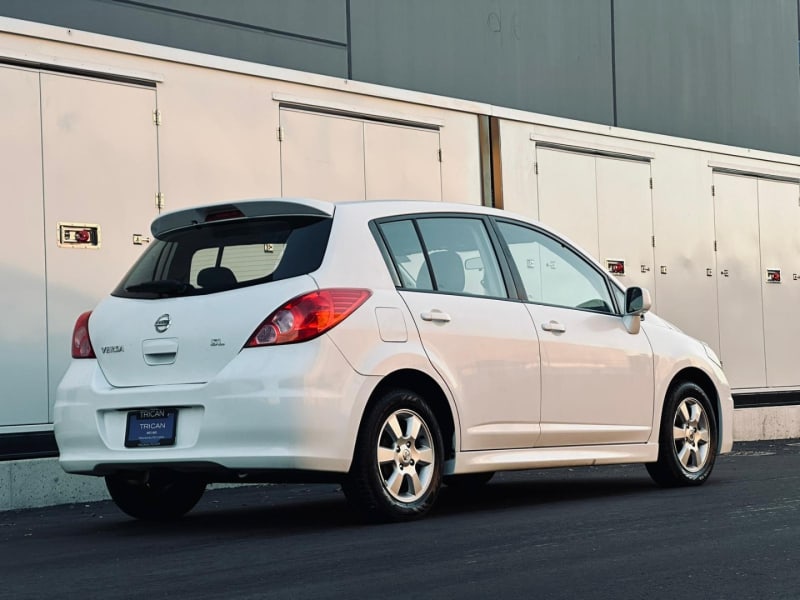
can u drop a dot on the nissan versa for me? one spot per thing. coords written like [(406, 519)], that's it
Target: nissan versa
[(393, 346)]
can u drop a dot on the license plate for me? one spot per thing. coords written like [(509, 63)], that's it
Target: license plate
[(151, 427)]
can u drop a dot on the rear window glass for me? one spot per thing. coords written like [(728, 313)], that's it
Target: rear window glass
[(215, 257)]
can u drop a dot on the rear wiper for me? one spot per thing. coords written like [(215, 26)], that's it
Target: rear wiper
[(161, 286)]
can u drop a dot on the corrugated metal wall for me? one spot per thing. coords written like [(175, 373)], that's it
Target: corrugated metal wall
[(716, 70)]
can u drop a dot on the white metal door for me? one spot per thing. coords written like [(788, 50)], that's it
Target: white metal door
[(683, 226), (625, 219), (322, 156), (568, 195), (23, 335), (401, 162), (741, 326), (100, 168), (779, 219)]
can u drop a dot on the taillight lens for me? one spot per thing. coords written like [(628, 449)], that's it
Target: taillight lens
[(307, 316), (81, 343)]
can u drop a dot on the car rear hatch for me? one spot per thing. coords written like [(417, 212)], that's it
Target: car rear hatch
[(198, 293)]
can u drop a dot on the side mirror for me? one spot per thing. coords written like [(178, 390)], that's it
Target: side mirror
[(637, 302)]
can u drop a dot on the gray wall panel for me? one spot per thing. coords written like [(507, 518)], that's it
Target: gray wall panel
[(324, 19), (550, 56), (718, 70), (259, 36)]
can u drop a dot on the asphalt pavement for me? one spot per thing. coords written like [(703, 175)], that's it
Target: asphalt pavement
[(594, 532)]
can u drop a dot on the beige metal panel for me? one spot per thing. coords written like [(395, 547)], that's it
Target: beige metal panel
[(218, 136), (568, 195), (401, 162), (683, 225), (518, 156), (100, 167), (741, 328), (23, 335), (779, 218), (322, 156), (625, 219)]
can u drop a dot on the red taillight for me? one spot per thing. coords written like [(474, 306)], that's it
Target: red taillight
[(307, 316), (81, 343)]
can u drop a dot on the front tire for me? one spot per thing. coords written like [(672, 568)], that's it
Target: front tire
[(155, 495), (396, 473), (687, 447)]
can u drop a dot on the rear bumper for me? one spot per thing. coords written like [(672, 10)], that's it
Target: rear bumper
[(294, 407)]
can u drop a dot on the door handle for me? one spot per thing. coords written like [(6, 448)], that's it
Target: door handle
[(435, 315), (554, 326)]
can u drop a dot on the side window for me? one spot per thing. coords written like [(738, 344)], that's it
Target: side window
[(406, 251), (462, 257), (554, 274)]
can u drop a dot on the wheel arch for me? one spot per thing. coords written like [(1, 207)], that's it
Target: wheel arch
[(431, 391), (705, 383)]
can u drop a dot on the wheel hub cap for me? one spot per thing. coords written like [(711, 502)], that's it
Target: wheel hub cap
[(405, 456), (691, 435)]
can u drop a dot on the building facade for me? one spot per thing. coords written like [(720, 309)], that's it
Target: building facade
[(723, 71)]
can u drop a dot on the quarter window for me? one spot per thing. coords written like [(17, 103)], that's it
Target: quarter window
[(553, 273)]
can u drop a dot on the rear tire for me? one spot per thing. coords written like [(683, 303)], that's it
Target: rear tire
[(158, 495), (397, 467), (687, 446)]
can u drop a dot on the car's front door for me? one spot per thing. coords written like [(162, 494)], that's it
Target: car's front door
[(597, 379), (482, 343)]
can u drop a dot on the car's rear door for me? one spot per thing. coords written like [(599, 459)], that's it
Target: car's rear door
[(481, 342)]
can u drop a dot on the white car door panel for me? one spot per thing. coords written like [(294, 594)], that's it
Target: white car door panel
[(483, 344), (495, 383), (597, 379)]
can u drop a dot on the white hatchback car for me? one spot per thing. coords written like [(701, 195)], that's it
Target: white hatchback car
[(392, 346)]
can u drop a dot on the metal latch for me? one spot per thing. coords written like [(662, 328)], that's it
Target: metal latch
[(140, 240)]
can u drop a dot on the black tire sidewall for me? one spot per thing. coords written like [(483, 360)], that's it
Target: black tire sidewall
[(667, 455), (365, 485)]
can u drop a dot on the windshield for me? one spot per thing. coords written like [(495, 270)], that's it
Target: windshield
[(215, 257)]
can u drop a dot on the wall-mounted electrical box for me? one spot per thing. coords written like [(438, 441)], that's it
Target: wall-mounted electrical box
[(78, 235), (615, 267)]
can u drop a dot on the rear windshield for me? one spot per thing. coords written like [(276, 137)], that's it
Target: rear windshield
[(214, 257)]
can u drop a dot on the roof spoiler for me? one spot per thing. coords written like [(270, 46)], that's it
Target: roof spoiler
[(241, 209)]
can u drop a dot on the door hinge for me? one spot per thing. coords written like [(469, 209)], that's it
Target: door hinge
[(160, 201), (156, 117), (653, 241), (713, 190), (715, 245), (536, 168), (439, 154), (280, 134), (651, 183)]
